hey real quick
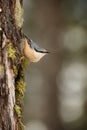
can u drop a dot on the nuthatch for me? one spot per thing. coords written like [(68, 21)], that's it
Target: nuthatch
[(32, 51)]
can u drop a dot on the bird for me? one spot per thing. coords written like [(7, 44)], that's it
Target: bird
[(32, 51)]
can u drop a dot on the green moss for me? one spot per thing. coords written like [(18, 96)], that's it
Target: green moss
[(18, 112), (24, 63), (22, 126), (19, 92), (15, 70), (20, 89), (11, 51)]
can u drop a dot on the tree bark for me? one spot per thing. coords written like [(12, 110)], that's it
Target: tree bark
[(10, 40)]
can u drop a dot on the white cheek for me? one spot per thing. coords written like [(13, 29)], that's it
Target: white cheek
[(39, 55)]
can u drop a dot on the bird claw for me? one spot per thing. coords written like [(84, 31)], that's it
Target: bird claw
[(21, 58)]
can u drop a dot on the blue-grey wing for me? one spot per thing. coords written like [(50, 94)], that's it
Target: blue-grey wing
[(37, 48)]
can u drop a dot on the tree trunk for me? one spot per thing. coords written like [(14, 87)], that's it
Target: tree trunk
[(10, 40)]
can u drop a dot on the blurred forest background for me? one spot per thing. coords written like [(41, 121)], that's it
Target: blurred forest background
[(56, 93)]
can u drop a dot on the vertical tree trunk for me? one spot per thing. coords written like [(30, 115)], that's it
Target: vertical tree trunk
[(10, 40)]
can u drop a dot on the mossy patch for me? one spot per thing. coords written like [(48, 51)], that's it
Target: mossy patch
[(19, 92), (20, 89), (18, 112), (15, 70), (11, 51)]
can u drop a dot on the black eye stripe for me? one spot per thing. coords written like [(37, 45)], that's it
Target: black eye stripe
[(41, 51)]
